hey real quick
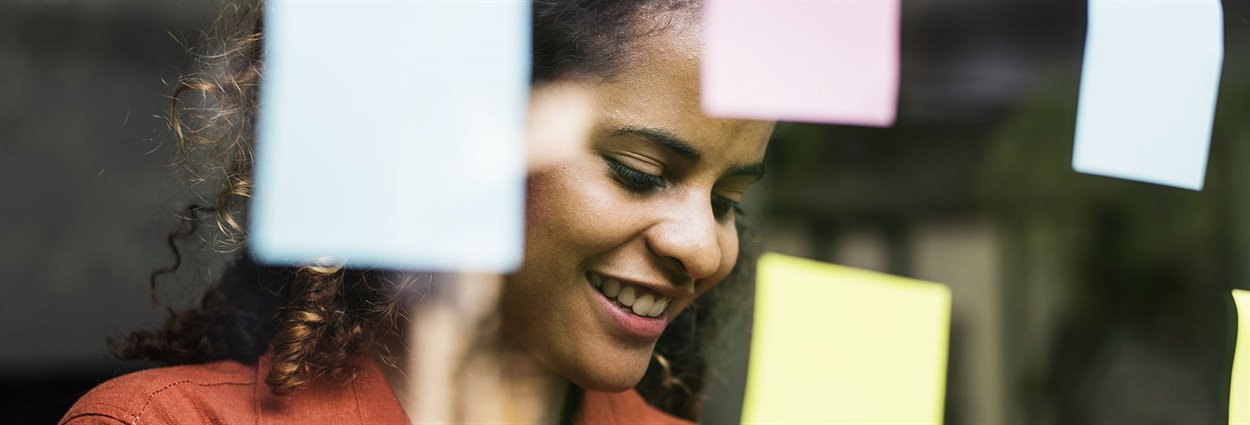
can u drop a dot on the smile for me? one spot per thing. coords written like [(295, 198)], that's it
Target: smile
[(639, 300)]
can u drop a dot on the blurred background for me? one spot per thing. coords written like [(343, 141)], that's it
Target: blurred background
[(1077, 298)]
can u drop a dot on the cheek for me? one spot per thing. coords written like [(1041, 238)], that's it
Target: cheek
[(563, 211), (575, 213)]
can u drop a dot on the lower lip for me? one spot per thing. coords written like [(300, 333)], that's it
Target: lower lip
[(633, 324)]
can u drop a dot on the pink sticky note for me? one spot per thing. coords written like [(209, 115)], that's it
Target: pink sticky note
[(832, 61)]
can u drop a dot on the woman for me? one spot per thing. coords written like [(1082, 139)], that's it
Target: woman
[(622, 236)]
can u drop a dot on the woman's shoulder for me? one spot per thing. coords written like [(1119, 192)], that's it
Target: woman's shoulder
[(220, 390), (626, 407)]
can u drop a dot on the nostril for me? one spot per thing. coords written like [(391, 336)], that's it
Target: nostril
[(689, 288)]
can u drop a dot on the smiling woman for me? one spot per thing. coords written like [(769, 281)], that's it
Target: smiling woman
[(646, 212), (623, 236)]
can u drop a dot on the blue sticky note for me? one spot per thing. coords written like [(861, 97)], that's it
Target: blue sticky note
[(1148, 90), (391, 134)]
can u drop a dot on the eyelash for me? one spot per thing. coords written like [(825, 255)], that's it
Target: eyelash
[(635, 180), (641, 182), (721, 207)]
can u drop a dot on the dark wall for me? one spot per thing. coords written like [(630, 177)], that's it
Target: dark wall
[(86, 190)]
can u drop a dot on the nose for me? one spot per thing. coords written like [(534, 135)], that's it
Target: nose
[(687, 236)]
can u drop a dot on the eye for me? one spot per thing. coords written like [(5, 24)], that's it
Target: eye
[(632, 179), (721, 207)]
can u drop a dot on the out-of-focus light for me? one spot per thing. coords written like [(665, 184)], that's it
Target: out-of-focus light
[(560, 120)]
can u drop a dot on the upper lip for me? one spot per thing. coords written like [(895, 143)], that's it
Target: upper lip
[(667, 290)]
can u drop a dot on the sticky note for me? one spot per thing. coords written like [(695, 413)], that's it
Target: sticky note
[(830, 62), (834, 344), (391, 134), (1148, 90), (1239, 393)]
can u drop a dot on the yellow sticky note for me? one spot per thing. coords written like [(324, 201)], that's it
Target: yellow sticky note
[(1239, 393), (837, 345)]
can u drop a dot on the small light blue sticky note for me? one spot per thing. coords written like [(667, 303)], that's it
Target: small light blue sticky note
[(1148, 90), (391, 134)]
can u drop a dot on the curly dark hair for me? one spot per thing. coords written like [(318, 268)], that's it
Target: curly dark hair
[(316, 317)]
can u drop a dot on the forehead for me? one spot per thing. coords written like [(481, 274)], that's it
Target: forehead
[(658, 87)]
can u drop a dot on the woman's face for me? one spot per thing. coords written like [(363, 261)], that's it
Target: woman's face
[(625, 233)]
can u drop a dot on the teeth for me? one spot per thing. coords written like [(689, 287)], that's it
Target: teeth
[(658, 308), (642, 305), (626, 296), (611, 287), (646, 305)]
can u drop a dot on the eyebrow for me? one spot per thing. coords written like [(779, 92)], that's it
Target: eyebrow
[(665, 139), (684, 150)]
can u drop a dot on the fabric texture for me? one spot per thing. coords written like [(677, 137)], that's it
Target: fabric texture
[(228, 392)]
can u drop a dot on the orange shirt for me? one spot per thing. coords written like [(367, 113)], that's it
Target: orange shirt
[(228, 392)]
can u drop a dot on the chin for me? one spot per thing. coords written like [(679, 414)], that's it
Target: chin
[(610, 380), (603, 369)]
